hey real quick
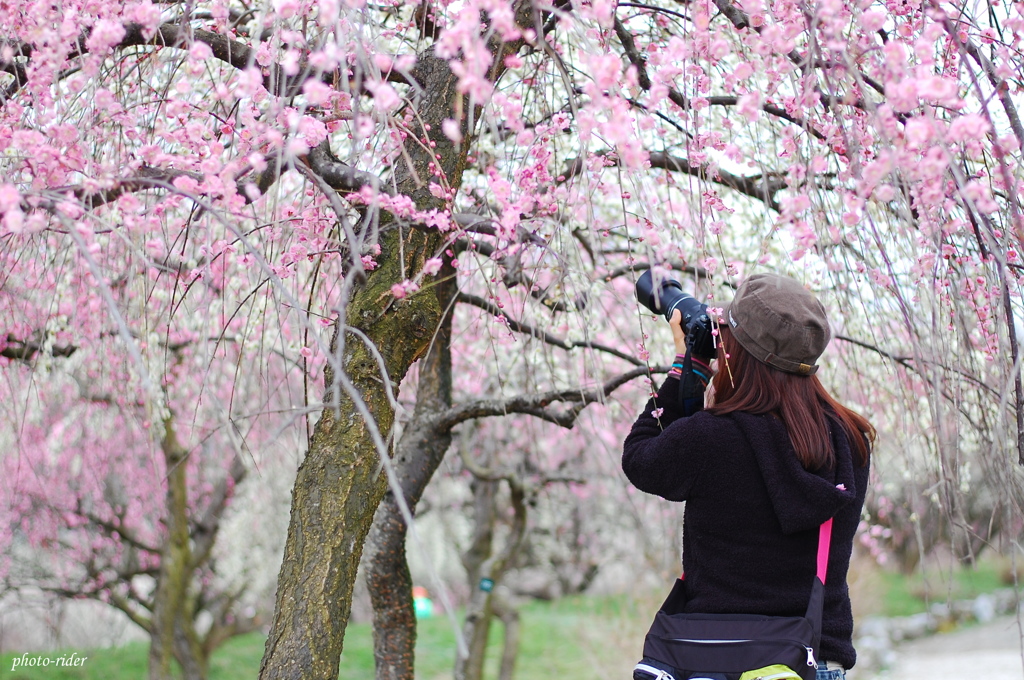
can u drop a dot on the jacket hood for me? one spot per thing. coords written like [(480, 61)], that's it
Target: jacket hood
[(802, 499)]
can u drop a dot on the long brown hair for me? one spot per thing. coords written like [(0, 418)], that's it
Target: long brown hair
[(801, 402)]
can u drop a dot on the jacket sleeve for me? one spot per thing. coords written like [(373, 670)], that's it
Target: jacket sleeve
[(665, 452)]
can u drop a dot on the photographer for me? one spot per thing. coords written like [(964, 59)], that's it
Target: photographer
[(771, 459)]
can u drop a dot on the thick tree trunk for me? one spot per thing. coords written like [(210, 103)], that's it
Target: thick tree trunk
[(339, 485), (340, 482), (420, 451), (172, 584)]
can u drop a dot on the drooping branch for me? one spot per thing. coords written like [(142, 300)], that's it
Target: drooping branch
[(146, 178), (1002, 88), (539, 405), (172, 35), (520, 327), (684, 102), (908, 363), (741, 21), (760, 187), (514, 275)]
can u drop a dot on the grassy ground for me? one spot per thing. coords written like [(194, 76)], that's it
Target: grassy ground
[(575, 638), (905, 595)]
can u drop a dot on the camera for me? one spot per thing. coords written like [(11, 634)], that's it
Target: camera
[(667, 297)]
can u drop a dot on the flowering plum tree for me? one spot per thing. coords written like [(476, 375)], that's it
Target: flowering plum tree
[(208, 207)]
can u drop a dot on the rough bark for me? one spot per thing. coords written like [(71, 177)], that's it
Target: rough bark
[(419, 452), (339, 484)]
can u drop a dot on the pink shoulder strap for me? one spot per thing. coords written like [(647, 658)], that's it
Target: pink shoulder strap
[(824, 543)]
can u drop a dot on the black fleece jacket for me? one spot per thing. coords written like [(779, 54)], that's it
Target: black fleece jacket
[(750, 528)]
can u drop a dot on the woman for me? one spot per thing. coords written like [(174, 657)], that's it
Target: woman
[(762, 468)]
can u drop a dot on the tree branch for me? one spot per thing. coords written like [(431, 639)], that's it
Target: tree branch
[(908, 363), (698, 272), (25, 350), (124, 534), (338, 175), (205, 528), (760, 187), (148, 177), (519, 327), (514, 276), (539, 404), (685, 103), (1000, 85), (231, 52)]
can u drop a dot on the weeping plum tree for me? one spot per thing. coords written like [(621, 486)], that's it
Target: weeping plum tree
[(276, 188), (873, 148)]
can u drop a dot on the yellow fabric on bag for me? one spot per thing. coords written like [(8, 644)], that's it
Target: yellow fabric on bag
[(775, 672)]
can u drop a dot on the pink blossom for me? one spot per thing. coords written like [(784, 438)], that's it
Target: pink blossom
[(918, 132), (872, 20), (452, 130), (968, 126), (104, 35), (404, 289), (287, 8), (316, 92), (743, 70), (642, 352), (9, 198), (749, 106), (432, 266), (384, 96)]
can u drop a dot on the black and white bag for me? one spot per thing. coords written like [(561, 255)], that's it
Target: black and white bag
[(736, 646)]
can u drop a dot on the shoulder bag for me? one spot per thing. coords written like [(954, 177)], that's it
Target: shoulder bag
[(736, 646)]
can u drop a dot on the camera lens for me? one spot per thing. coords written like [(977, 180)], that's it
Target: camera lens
[(668, 296), (660, 299)]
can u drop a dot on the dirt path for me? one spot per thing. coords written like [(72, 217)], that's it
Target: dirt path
[(990, 651)]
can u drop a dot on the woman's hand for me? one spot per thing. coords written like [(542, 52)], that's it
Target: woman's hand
[(678, 336)]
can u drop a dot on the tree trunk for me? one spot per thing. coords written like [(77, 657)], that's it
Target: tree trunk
[(420, 451), (486, 570), (340, 484), (478, 610), (188, 651), (509, 617), (175, 572)]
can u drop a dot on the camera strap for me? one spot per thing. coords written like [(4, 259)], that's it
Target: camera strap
[(691, 388)]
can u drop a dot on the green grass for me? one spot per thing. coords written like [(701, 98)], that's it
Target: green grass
[(906, 595), (573, 638)]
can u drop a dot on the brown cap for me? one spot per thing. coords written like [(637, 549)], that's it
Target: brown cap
[(779, 322)]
